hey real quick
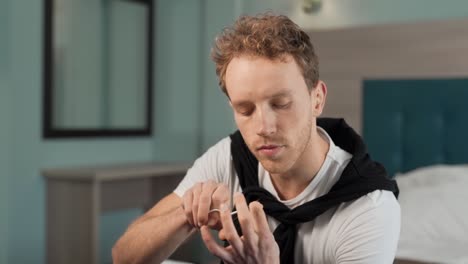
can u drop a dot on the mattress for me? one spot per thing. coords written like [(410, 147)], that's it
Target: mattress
[(434, 209)]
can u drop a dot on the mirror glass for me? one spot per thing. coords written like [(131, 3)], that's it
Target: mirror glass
[(98, 62)]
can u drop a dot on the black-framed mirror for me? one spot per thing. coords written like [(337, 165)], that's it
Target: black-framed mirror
[(98, 63)]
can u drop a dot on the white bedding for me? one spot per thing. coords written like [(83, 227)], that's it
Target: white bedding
[(434, 209)]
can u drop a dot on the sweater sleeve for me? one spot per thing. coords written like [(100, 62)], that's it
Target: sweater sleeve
[(212, 165), (370, 233)]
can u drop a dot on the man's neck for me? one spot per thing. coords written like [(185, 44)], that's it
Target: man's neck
[(290, 184)]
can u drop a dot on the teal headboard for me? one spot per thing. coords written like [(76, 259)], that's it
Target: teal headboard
[(413, 123)]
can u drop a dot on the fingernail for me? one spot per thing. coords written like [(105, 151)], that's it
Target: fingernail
[(211, 222)]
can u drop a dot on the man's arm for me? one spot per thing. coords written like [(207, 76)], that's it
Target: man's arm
[(154, 236), (371, 233)]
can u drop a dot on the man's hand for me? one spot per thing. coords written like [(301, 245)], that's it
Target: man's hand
[(256, 245), (203, 196)]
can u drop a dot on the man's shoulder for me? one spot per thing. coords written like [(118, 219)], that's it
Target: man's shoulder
[(211, 166), (217, 156), (371, 224), (222, 147), (378, 210), (378, 201)]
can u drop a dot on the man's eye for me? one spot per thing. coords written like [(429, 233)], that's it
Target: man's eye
[(282, 105), (245, 112)]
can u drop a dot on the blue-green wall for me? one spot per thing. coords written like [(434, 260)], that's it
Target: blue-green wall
[(339, 13), (29, 152), (179, 77), (217, 118), (4, 131), (190, 112)]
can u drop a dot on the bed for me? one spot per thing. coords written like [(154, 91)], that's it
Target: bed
[(418, 129)]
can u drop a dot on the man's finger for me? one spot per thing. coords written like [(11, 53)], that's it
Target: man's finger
[(196, 190), (230, 232), (204, 203), (220, 196), (261, 223), (246, 222), (221, 234), (213, 247)]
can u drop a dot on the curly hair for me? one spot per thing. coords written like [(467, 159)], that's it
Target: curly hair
[(269, 36)]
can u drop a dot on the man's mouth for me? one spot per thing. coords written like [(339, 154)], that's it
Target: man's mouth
[(269, 150)]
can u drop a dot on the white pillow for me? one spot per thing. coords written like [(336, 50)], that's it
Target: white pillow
[(434, 213), (432, 176)]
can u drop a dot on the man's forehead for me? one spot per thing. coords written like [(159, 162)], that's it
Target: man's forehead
[(249, 78)]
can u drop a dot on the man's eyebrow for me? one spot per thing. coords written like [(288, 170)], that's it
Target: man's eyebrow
[(242, 103), (280, 94)]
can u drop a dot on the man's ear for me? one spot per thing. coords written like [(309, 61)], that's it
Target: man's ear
[(319, 96)]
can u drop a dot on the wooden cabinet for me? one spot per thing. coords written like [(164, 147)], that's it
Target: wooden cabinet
[(77, 196)]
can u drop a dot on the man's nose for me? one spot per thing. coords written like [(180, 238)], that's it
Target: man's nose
[(265, 122)]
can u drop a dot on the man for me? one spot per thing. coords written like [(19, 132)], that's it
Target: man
[(310, 192)]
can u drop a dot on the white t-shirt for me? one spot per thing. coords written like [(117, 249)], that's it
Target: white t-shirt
[(363, 231)]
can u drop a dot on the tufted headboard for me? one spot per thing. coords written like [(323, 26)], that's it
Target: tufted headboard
[(413, 123)]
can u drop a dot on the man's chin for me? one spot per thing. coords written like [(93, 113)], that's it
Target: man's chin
[(273, 166)]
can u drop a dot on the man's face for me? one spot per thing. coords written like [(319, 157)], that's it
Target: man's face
[(273, 109)]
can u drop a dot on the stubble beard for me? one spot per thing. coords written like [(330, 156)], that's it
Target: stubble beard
[(291, 155)]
